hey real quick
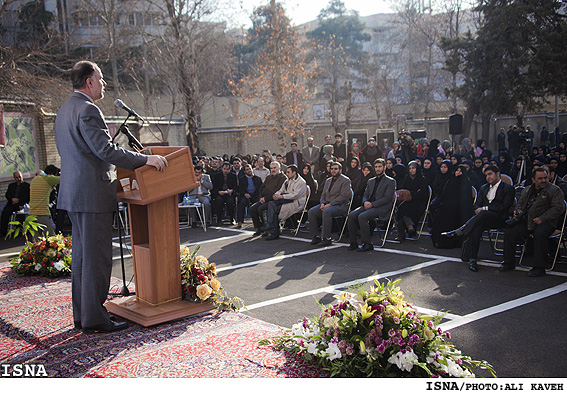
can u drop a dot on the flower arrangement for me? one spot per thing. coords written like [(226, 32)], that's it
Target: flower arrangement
[(198, 278), (376, 334), (49, 256)]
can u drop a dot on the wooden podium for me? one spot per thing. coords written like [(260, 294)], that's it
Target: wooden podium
[(154, 230)]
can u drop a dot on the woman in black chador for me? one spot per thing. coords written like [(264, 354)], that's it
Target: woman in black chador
[(367, 173), (410, 211), (454, 209)]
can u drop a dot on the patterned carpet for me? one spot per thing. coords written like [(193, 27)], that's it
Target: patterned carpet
[(36, 328)]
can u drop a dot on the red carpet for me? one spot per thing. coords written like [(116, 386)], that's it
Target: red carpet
[(36, 328)]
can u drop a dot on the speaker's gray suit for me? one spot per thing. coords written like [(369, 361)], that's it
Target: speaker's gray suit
[(88, 193)]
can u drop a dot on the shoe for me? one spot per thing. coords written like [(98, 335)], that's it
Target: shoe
[(506, 267), (272, 237), (78, 326), (194, 225), (238, 225), (411, 232), (353, 246), (365, 248), (258, 232), (326, 242), (452, 234), (536, 272), (111, 326), (316, 239), (472, 266), (399, 239)]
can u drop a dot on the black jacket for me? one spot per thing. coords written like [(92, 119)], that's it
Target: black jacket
[(502, 202)]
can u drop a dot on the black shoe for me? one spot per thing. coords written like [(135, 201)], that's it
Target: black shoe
[(365, 248), (273, 236), (452, 234), (77, 325), (194, 225), (536, 272), (111, 326), (258, 232), (353, 246), (326, 242), (316, 239), (412, 233), (472, 266), (506, 267)]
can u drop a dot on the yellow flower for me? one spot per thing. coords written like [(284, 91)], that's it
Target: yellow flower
[(215, 284), (204, 292)]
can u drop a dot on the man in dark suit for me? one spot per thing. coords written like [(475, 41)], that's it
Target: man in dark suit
[(225, 185), (310, 155), (294, 156), (88, 193), (492, 209), (248, 193), (376, 203), (18, 194)]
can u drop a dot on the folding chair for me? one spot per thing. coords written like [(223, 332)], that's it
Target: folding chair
[(474, 195), (345, 217), (302, 211), (424, 216), (506, 179), (394, 200), (557, 234)]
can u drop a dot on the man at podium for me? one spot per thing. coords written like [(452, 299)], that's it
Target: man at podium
[(88, 193)]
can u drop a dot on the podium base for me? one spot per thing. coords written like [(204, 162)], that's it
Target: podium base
[(147, 315)]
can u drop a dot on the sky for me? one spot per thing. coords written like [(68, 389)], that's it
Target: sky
[(302, 11)]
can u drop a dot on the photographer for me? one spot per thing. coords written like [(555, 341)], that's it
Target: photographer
[(540, 206)]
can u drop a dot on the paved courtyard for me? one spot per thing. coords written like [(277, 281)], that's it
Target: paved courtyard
[(514, 322)]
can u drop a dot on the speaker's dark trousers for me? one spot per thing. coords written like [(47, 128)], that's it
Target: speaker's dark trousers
[(91, 266)]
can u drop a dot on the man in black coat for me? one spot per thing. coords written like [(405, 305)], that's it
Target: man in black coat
[(294, 156), (492, 209), (18, 194), (224, 192), (248, 193)]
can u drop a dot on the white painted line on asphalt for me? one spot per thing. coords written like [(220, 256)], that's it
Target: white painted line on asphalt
[(330, 289), (471, 317), (213, 240), (276, 258)]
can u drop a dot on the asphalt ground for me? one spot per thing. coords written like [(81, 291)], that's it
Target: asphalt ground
[(514, 322)]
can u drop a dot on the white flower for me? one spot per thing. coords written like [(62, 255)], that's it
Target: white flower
[(37, 267), (333, 351), (312, 348), (404, 361), (297, 329), (59, 265), (331, 322), (456, 371)]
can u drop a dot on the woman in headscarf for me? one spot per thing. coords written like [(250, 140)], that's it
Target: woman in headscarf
[(467, 151), (562, 169), (433, 147), (410, 211), (505, 162), (353, 172), (399, 172), (390, 167), (456, 207), (429, 171), (520, 171), (307, 175), (480, 147), (446, 148), (327, 155), (456, 159), (367, 171)]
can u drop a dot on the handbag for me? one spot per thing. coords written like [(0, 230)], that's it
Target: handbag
[(403, 195)]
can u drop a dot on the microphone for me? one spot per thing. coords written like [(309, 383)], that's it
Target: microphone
[(132, 141), (120, 104)]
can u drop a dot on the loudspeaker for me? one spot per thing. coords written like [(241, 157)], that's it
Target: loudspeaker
[(456, 124)]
